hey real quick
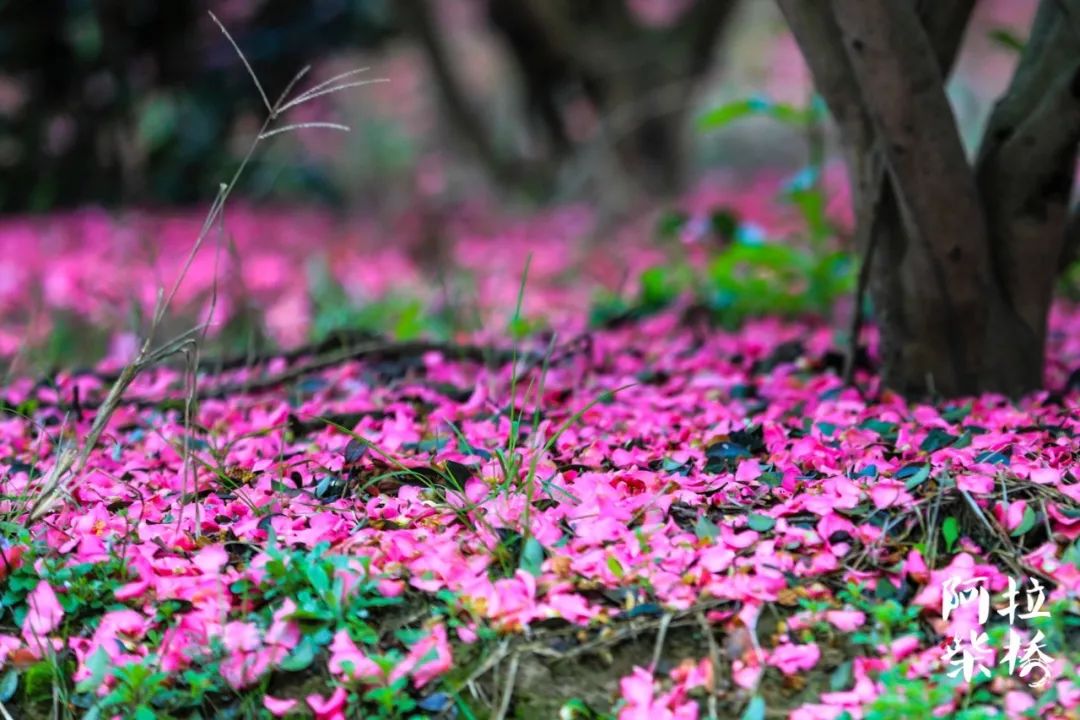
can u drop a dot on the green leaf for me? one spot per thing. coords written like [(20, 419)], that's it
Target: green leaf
[(772, 478), (410, 323), (157, 122), (993, 457), (38, 681), (1007, 39), (575, 709), (755, 710), (84, 36), (812, 203), (1026, 523), (532, 557), (98, 664), (761, 523), (705, 528), (728, 113), (841, 677), (615, 567), (1072, 554), (8, 684), (657, 290), (725, 114), (317, 576), (956, 414), (724, 223), (885, 430), (936, 439), (950, 531), (301, 657), (917, 478), (670, 223)]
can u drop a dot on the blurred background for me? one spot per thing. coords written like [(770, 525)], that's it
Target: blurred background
[(138, 102), (508, 133)]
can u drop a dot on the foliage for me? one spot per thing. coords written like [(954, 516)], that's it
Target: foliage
[(751, 275)]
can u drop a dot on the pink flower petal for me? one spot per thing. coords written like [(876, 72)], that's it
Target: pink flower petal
[(45, 613), (278, 707)]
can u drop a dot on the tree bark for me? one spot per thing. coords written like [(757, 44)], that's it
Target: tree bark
[(963, 262), (1026, 164), (944, 270)]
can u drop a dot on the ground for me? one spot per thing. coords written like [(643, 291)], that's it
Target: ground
[(651, 515)]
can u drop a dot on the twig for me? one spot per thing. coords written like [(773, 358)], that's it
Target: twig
[(508, 688), (492, 660), (631, 629), (714, 660), (396, 349), (247, 360), (932, 527), (1011, 556), (658, 651)]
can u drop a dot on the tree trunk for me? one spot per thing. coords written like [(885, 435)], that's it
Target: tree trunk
[(961, 263), (639, 79)]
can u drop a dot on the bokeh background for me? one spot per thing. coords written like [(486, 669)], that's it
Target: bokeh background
[(143, 103), (626, 150)]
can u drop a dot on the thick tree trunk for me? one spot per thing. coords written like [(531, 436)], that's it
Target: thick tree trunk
[(959, 273)]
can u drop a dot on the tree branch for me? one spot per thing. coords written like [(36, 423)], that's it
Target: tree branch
[(814, 26), (587, 51), (1030, 180), (1027, 160), (1051, 47), (945, 22)]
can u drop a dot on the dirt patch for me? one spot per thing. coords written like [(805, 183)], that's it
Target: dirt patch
[(545, 680)]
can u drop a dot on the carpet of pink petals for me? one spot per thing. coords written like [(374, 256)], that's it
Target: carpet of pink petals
[(628, 503)]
